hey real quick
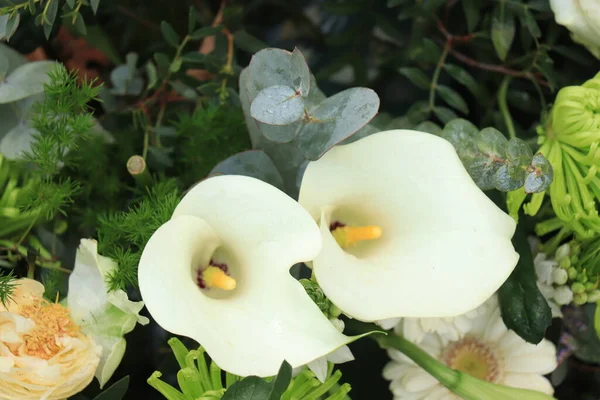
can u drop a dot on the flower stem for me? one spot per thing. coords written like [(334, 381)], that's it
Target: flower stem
[(502, 104), (436, 75)]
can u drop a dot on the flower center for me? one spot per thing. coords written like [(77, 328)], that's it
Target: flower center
[(347, 236), (473, 357), (52, 321), (215, 275)]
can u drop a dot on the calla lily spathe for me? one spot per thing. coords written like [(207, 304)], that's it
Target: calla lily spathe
[(582, 18), (255, 233), (440, 247)]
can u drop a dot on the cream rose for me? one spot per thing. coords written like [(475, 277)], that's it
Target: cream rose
[(43, 354)]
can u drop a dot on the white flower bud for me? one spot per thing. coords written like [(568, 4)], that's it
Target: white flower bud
[(563, 295), (559, 276)]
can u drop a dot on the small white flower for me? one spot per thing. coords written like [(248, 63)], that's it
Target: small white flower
[(105, 316), (488, 351), (218, 272), (582, 18), (406, 232), (552, 278)]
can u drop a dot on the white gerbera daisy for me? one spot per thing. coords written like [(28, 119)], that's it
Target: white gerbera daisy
[(488, 351)]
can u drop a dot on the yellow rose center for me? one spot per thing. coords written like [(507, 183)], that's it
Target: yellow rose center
[(347, 236), (52, 321), (473, 357)]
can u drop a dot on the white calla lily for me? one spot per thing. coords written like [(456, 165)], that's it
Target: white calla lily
[(439, 246), (106, 316), (218, 272), (582, 18)]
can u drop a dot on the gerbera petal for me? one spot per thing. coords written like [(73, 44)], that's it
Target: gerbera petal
[(528, 381), (456, 245), (540, 361), (260, 233)]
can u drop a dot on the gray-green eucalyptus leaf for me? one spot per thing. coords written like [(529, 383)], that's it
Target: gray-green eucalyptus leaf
[(27, 80), (300, 73), (254, 163), (277, 105)]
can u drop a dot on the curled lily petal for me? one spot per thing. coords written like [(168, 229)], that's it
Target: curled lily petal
[(254, 233), (443, 247)]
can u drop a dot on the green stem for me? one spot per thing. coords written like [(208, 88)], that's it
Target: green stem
[(436, 75), (502, 104)]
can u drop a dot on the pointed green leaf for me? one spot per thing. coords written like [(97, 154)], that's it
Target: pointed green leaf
[(277, 105), (464, 78), (335, 119), (503, 30), (204, 32), (50, 17), (444, 114), (94, 4), (246, 42), (418, 112), (116, 391), (281, 382), (152, 74), (11, 25), (472, 13), (524, 309), (169, 34), (191, 19), (299, 72), (253, 163), (528, 20), (79, 24), (416, 76), (452, 98)]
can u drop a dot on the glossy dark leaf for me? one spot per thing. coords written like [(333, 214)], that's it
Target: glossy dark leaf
[(281, 381), (464, 78), (116, 391), (524, 308), (249, 388)]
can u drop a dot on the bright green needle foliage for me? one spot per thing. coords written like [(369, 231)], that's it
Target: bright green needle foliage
[(201, 379), (7, 287), (122, 236), (63, 120), (207, 137), (569, 139)]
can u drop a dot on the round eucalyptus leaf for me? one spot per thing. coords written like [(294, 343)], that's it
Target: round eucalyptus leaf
[(483, 172), (27, 80), (336, 119), (254, 163), (462, 134), (536, 182), (277, 105), (506, 180), (300, 73), (518, 152), (17, 141), (124, 83), (15, 59), (492, 143)]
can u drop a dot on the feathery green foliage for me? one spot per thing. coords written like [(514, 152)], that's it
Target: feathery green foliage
[(7, 287), (122, 236)]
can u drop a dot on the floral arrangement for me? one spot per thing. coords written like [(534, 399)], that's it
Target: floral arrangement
[(319, 201)]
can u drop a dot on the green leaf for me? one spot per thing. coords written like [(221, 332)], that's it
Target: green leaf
[(184, 90), (277, 105), (416, 76), (429, 127), (152, 74), (175, 65), (51, 12), (432, 51), (246, 42), (523, 101), (169, 34), (418, 112), (505, 181), (472, 13), (204, 32), (597, 319), (503, 30), (335, 119), (444, 114), (25, 81), (254, 163), (524, 309), (482, 171), (79, 24), (528, 20), (452, 98), (492, 143), (249, 388), (464, 78), (191, 19), (94, 4), (11, 25), (299, 72), (539, 180), (116, 391), (462, 134), (518, 153), (281, 382)]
